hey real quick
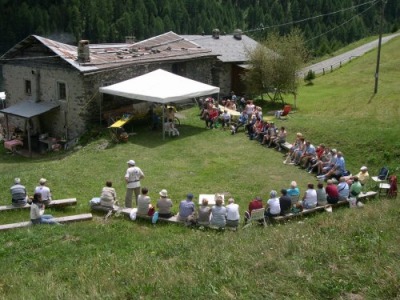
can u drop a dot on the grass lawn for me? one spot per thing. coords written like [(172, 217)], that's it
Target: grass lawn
[(349, 254)]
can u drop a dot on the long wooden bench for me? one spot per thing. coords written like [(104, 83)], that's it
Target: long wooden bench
[(362, 196), (127, 211), (68, 219), (53, 203), (286, 146)]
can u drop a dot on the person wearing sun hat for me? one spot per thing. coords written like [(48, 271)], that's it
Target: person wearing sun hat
[(44, 191), (133, 176), (363, 175), (164, 205), (19, 197)]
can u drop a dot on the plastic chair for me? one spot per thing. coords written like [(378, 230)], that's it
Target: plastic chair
[(257, 215), (284, 112)]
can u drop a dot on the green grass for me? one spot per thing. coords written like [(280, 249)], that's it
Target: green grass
[(343, 255)]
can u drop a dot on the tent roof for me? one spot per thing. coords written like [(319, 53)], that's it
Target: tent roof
[(160, 86), (29, 109)]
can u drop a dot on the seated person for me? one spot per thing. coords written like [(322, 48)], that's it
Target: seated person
[(273, 208), (293, 190), (270, 135), (19, 197), (296, 144), (37, 212), (144, 207), (203, 213), (298, 152), (355, 188), (307, 155), (212, 118), (331, 192), (218, 214), (225, 119), (363, 175), (232, 213), (108, 196), (285, 202), (343, 189), (243, 118), (170, 127), (337, 170), (254, 204), (186, 209), (44, 191), (280, 138), (170, 114), (321, 195), (310, 197), (164, 205), (323, 158), (249, 127)]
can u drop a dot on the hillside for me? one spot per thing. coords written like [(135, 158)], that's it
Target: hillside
[(348, 254)]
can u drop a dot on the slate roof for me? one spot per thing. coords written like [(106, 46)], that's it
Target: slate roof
[(227, 47), (165, 47)]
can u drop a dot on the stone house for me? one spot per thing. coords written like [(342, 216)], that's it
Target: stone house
[(59, 83), (232, 51)]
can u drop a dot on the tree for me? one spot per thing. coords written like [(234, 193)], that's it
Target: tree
[(275, 65)]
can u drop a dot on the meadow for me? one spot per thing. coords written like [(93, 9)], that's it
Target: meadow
[(349, 254)]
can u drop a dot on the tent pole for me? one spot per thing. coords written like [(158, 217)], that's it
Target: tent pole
[(162, 121), (29, 136), (8, 128)]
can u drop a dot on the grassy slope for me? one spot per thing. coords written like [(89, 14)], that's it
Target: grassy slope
[(324, 256)]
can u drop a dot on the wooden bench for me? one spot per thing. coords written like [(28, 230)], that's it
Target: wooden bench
[(301, 213), (367, 195), (68, 219), (286, 146), (127, 211), (53, 203)]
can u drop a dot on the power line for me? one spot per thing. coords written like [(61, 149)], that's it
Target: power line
[(342, 24)]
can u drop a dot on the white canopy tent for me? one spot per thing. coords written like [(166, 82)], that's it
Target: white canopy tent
[(161, 87)]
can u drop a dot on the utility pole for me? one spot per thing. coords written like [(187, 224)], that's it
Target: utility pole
[(379, 47)]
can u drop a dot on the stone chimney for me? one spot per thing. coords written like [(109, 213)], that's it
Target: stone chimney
[(83, 51), (237, 34), (215, 33)]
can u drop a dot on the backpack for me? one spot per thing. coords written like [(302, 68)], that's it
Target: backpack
[(383, 173)]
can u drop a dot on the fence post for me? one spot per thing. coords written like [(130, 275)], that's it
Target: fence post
[(323, 71)]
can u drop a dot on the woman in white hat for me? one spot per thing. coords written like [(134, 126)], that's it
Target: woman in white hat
[(164, 205), (363, 175)]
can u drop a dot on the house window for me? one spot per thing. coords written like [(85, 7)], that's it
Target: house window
[(28, 87), (61, 91)]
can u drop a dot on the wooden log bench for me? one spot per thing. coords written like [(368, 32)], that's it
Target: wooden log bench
[(67, 219), (53, 203)]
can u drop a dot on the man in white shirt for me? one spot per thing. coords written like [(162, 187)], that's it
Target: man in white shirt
[(133, 176), (232, 214), (44, 191)]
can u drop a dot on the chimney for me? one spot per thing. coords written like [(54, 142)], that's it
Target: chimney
[(237, 34), (215, 33), (83, 51)]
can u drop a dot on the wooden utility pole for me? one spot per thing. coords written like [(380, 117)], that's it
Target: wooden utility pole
[(379, 47)]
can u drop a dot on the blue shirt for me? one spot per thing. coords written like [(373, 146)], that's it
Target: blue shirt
[(186, 208), (293, 192), (340, 164)]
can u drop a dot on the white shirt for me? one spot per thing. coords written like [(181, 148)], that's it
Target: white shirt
[(133, 176), (232, 212), (44, 191), (274, 206)]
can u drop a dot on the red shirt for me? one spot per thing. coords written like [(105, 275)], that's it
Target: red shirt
[(332, 191), (255, 204)]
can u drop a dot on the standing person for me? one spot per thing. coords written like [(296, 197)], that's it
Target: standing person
[(232, 214), (19, 198), (108, 196), (44, 191), (37, 212), (133, 176), (164, 205), (218, 214), (186, 209)]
